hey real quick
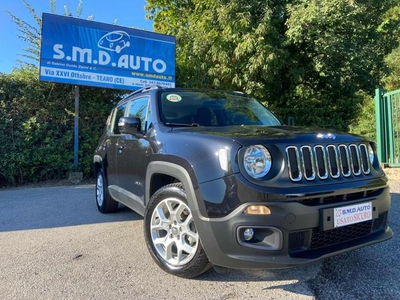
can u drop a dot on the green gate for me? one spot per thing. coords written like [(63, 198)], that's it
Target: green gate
[(387, 111)]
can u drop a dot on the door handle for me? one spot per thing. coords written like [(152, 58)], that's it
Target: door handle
[(120, 148)]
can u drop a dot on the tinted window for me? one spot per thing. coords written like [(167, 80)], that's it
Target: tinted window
[(119, 112), (109, 121)]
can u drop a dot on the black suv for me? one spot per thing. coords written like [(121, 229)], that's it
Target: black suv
[(221, 181)]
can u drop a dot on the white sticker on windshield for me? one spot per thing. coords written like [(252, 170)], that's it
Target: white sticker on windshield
[(174, 98)]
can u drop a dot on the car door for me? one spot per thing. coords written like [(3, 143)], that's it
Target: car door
[(110, 146), (133, 153)]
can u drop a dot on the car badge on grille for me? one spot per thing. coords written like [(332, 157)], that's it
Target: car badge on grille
[(326, 136)]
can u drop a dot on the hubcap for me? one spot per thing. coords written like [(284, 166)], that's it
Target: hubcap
[(99, 190), (173, 232)]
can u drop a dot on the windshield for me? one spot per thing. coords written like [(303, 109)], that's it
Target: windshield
[(213, 108)]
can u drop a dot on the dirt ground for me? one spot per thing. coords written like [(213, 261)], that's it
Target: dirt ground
[(393, 174)]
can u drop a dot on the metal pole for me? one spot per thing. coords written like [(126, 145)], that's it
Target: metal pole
[(76, 128), (380, 125), (390, 129)]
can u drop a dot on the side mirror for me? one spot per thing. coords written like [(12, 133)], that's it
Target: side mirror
[(129, 125)]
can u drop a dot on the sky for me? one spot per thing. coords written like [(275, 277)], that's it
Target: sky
[(129, 13)]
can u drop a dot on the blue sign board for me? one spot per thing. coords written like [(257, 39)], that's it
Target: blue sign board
[(83, 52)]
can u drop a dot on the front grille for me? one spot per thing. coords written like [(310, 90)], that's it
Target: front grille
[(327, 161), (341, 198), (338, 235), (303, 241), (296, 240)]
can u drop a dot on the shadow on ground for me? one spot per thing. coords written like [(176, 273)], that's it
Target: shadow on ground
[(51, 207)]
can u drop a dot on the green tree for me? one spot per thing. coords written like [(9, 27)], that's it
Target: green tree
[(311, 59), (365, 123), (388, 31), (31, 33), (391, 27)]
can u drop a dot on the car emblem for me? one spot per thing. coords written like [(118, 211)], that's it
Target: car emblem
[(326, 136)]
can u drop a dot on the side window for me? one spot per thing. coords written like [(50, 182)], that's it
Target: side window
[(138, 109), (109, 121), (119, 113)]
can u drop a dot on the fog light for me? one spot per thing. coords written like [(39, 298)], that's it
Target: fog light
[(260, 237), (248, 234)]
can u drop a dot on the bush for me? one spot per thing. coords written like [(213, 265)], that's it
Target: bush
[(365, 124), (37, 126)]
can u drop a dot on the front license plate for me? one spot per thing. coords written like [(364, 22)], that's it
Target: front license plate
[(352, 214)]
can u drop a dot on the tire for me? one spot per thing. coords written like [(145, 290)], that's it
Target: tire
[(105, 203), (171, 235)]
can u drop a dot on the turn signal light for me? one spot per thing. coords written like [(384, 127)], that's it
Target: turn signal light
[(257, 210)]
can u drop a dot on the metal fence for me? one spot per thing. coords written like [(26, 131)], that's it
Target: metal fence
[(387, 110)]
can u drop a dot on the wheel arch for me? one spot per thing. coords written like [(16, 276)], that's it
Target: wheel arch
[(97, 162), (161, 173)]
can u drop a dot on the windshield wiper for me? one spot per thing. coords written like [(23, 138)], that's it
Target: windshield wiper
[(182, 124)]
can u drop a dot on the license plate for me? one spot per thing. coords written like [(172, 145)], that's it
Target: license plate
[(352, 214)]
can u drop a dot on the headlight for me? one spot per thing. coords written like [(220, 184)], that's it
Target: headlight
[(257, 161), (371, 154)]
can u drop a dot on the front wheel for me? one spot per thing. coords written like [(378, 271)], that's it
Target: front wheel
[(171, 235)]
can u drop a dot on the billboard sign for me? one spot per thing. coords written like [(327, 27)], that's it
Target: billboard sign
[(83, 52)]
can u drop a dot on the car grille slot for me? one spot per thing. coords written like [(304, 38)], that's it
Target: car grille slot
[(355, 158), (364, 159), (344, 160), (321, 162), (308, 162), (327, 161), (294, 163), (333, 161)]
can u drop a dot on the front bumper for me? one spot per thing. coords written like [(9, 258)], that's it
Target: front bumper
[(304, 232)]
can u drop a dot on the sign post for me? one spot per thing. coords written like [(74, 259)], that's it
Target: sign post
[(76, 128)]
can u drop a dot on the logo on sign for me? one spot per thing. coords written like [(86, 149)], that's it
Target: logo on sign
[(352, 214), (114, 41)]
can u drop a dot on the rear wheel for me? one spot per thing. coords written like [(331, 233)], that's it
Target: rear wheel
[(105, 203), (171, 235)]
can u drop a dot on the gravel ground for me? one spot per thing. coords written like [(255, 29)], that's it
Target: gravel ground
[(55, 245)]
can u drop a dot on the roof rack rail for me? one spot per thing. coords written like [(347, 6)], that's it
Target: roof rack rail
[(240, 93), (147, 88)]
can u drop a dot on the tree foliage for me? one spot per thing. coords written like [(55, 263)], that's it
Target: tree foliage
[(31, 33), (310, 59), (388, 31), (316, 60), (391, 27), (365, 123)]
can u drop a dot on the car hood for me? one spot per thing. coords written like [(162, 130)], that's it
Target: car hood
[(246, 135)]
